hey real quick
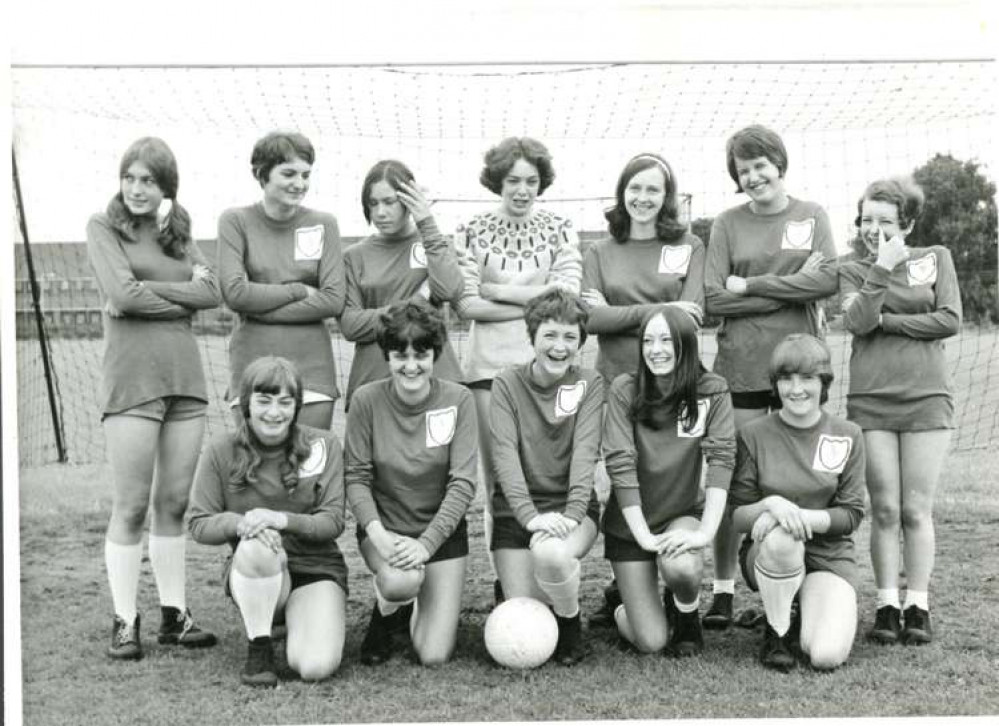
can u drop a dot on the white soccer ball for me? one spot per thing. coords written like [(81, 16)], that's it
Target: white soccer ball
[(521, 633)]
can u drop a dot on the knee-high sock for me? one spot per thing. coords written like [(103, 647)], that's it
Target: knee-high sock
[(623, 626), (777, 592), (166, 555), (257, 598), (122, 562), (564, 595)]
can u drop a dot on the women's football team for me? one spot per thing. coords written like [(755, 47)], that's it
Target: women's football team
[(743, 459)]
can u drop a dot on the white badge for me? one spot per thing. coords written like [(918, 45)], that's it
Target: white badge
[(831, 454), (798, 235), (441, 425), (568, 397), (674, 259), (922, 271), (316, 460), (308, 243), (697, 430), (417, 256)]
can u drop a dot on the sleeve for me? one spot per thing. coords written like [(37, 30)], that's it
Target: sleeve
[(567, 267), (717, 268), (462, 477), (469, 265), (718, 442), (239, 293), (325, 522), (123, 291), (585, 450), (693, 283), (208, 520), (945, 320), (620, 454), (359, 468), (860, 316), (197, 294), (608, 318), (329, 298), (358, 323), (745, 486), (505, 452), (443, 271), (846, 509), (805, 285)]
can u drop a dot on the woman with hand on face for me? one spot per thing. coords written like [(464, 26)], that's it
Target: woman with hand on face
[(282, 271), (900, 303), (152, 278), (545, 511), (411, 474), (407, 257), (663, 423), (273, 491), (798, 492), (769, 262)]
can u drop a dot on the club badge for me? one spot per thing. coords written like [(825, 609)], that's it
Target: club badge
[(922, 271), (697, 430), (831, 454), (417, 256), (798, 235), (673, 259), (568, 397), (315, 462), (308, 243), (441, 425)]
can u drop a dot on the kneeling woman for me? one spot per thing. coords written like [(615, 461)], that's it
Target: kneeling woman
[(274, 491), (411, 472), (798, 490), (662, 423), (545, 510)]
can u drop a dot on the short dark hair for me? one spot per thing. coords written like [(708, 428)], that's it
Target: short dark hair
[(499, 160), (387, 170), (560, 306), (279, 147), (753, 142), (903, 192), (668, 225), (805, 355), (412, 322)]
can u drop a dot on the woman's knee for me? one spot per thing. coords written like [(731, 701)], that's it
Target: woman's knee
[(434, 653), (552, 559), (313, 666), (171, 504), (397, 585), (131, 513), (916, 515), (780, 551), (648, 638), (825, 655), (886, 515), (255, 559), (683, 569)]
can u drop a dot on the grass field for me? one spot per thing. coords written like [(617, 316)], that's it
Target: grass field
[(66, 611)]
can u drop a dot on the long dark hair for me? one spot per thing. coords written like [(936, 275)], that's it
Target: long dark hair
[(270, 375), (157, 157), (655, 397), (669, 228)]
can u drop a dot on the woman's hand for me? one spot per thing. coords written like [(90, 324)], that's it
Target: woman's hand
[(112, 311), (413, 197), (763, 526), (594, 298), (554, 524), (691, 308), (261, 518), (409, 553), (680, 541), (200, 272), (891, 252), (735, 284), (489, 291), (813, 262), (788, 516)]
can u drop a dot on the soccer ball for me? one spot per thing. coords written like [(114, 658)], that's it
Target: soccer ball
[(521, 633)]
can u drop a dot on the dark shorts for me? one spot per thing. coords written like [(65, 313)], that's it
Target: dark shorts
[(756, 399), (452, 548), (166, 409), (483, 384), (509, 535), (841, 566), (619, 549), (298, 579)]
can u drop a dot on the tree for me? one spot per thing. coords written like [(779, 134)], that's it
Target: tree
[(960, 214)]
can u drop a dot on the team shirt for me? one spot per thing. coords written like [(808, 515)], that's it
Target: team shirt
[(315, 506), (149, 349), (380, 271), (899, 379), (634, 277), (660, 470), (265, 266), (767, 250), (821, 467), (541, 250), (414, 468), (546, 442)]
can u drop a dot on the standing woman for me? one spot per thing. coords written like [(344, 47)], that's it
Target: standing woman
[(407, 257), (769, 261), (649, 259), (511, 254), (273, 491), (411, 474), (282, 270), (798, 491), (663, 422), (900, 303), (152, 278), (545, 509)]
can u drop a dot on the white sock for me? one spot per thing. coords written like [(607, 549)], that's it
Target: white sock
[(888, 597), (777, 592), (623, 626), (688, 607), (166, 555), (723, 586), (257, 598), (919, 598), (122, 562), (563, 595)]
